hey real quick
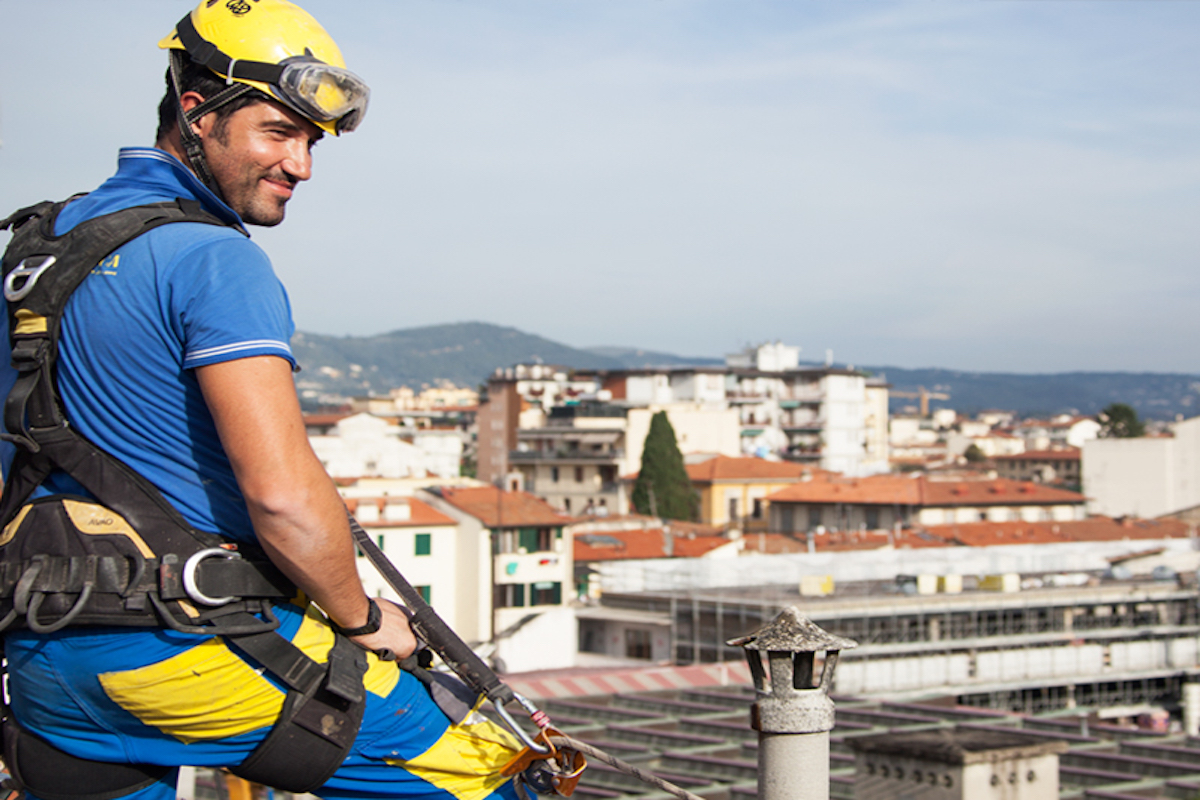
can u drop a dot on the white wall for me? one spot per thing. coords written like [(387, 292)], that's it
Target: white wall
[(843, 439), (698, 429), (438, 570), (1145, 477), (363, 445)]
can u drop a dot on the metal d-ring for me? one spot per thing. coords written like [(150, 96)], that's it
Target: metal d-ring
[(13, 293), (189, 576)]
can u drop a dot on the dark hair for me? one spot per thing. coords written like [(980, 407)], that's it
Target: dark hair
[(196, 78)]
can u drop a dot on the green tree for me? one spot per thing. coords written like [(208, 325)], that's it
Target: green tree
[(663, 486), (974, 455), (1120, 421)]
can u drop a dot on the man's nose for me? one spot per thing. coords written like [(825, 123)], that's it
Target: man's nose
[(298, 163)]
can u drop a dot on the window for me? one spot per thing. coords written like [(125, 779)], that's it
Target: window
[(424, 544), (528, 540), (757, 511), (566, 504), (379, 541), (872, 517), (426, 592), (579, 474), (733, 509), (545, 593), (637, 643), (509, 595), (554, 474), (814, 517)]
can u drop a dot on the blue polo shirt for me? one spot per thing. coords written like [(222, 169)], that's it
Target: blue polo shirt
[(181, 296)]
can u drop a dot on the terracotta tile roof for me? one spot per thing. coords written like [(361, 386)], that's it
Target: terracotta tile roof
[(1093, 529), (502, 509), (772, 543), (877, 489), (693, 528), (647, 543), (922, 491), (1069, 454), (420, 514), (999, 491), (725, 468), (325, 419)]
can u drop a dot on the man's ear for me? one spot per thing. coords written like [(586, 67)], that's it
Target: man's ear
[(188, 101)]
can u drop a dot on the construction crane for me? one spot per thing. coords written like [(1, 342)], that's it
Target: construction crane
[(924, 395)]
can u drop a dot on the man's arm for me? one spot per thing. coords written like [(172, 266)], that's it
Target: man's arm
[(298, 516)]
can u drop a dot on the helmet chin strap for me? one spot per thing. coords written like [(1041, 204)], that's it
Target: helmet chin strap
[(193, 146)]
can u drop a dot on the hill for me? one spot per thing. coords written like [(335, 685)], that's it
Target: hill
[(466, 353), (632, 358), (1154, 395)]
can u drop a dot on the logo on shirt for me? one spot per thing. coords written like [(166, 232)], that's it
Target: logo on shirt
[(108, 266)]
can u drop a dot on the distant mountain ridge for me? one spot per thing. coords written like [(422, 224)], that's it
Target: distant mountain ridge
[(466, 353)]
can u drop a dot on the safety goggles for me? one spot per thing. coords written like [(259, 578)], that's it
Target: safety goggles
[(319, 91)]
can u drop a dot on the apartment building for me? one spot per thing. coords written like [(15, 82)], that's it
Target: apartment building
[(365, 445), (514, 575), (834, 502), (424, 545), (734, 491), (1042, 466)]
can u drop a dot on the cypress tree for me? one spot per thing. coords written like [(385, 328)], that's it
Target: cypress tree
[(663, 471)]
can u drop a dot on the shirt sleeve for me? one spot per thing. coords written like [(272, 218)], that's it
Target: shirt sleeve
[(228, 304)]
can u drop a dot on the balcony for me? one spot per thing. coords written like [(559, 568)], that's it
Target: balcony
[(803, 453), (563, 457)]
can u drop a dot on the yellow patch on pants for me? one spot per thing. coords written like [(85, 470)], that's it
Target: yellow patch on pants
[(206, 692), (467, 759), (209, 692)]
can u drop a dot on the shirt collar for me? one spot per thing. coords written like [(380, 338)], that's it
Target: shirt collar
[(149, 164)]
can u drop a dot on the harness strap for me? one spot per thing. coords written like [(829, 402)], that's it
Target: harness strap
[(122, 576), (52, 774), (320, 718)]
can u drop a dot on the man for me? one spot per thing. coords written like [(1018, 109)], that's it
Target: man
[(174, 358)]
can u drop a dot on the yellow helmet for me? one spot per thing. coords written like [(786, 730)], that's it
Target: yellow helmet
[(277, 48)]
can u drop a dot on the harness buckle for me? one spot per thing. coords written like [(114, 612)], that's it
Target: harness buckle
[(190, 566), (14, 294)]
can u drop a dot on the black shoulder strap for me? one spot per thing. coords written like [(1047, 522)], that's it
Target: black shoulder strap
[(41, 269)]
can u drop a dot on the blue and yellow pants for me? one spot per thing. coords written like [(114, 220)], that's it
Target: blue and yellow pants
[(167, 698)]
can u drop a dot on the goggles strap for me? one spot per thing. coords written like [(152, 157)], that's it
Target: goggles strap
[(192, 146), (217, 100)]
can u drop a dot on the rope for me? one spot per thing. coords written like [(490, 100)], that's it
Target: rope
[(623, 766)]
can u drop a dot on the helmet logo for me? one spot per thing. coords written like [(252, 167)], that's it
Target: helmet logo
[(238, 7)]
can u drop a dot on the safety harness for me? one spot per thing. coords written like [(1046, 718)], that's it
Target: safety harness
[(124, 556)]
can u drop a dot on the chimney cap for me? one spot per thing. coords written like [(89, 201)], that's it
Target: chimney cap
[(792, 633)]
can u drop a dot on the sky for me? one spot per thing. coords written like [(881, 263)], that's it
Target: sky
[(990, 186)]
